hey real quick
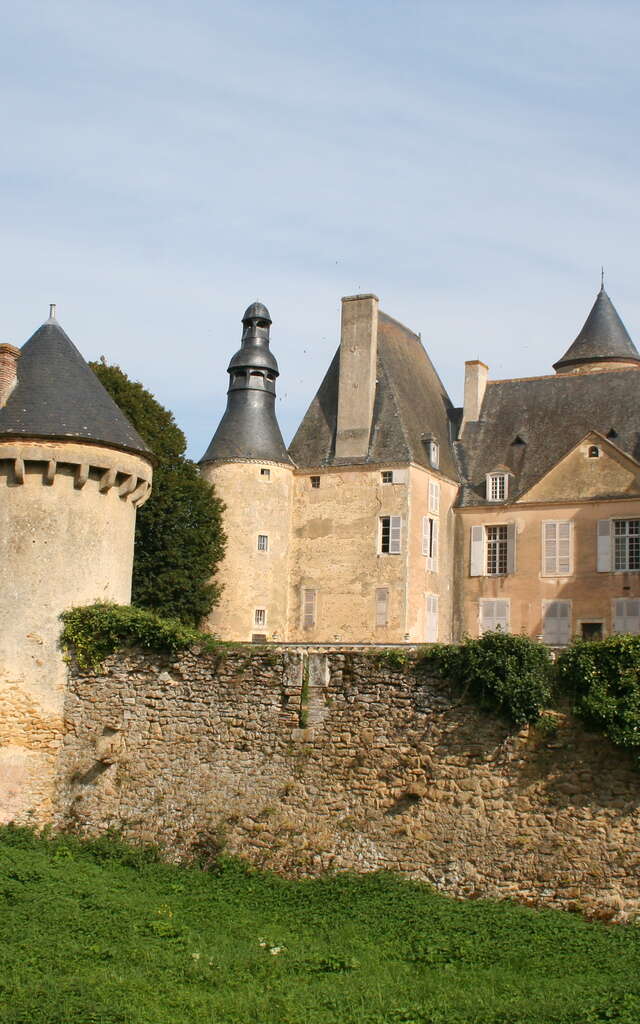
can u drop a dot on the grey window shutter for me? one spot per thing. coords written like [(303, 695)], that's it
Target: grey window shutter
[(434, 546), (604, 545), (476, 563), (395, 527), (511, 547), (425, 536)]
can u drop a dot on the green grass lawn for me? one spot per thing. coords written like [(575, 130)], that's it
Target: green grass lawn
[(99, 933)]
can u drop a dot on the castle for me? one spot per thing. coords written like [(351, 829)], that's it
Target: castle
[(393, 516), (396, 517)]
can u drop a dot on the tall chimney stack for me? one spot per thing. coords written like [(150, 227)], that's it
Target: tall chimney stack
[(475, 383), (9, 356), (357, 388)]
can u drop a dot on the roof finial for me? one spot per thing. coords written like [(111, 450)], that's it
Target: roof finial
[(601, 279), (52, 310)]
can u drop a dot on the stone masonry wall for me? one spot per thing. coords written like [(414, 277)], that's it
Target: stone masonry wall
[(307, 763)]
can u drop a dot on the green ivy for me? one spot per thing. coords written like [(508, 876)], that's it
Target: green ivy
[(501, 671), (98, 630), (603, 678)]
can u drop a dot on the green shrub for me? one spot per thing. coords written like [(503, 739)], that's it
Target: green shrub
[(98, 630), (502, 671), (603, 678)]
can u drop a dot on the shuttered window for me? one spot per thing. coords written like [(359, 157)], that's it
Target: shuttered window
[(493, 550), (382, 607), (556, 623), (494, 615), (430, 542), (309, 602), (496, 550), (390, 535), (626, 544), (434, 497), (626, 615), (431, 618), (556, 548)]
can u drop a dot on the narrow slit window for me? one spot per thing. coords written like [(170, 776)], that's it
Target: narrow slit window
[(263, 542), (260, 617), (382, 607), (309, 606)]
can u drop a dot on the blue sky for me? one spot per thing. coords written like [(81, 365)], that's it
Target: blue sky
[(164, 165)]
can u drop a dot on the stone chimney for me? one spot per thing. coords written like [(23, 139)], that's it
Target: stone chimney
[(9, 356), (475, 383), (357, 388)]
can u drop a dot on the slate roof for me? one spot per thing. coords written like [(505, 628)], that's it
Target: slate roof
[(410, 404), (59, 397), (551, 415), (603, 338)]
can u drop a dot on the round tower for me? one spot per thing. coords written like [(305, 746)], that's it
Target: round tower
[(252, 472), (72, 473)]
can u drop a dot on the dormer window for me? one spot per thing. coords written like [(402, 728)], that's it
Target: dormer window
[(594, 451), (497, 486), (434, 453)]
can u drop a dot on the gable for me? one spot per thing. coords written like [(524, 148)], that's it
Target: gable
[(611, 475)]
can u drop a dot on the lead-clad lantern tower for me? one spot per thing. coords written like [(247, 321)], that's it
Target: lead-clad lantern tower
[(253, 474), (72, 473)]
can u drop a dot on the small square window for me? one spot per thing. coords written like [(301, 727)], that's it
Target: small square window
[(263, 542), (265, 473), (387, 476), (260, 617), (594, 451), (315, 482)]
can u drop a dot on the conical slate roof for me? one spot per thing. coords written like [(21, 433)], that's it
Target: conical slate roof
[(58, 397), (603, 338)]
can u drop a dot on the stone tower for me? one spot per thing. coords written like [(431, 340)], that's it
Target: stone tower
[(252, 472), (72, 473)]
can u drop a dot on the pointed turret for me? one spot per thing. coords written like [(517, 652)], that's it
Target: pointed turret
[(57, 396), (249, 428), (603, 339)]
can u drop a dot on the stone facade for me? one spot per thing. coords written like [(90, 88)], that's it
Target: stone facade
[(306, 763)]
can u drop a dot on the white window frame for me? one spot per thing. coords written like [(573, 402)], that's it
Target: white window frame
[(395, 535), (479, 550), (434, 454), (382, 607), (430, 542), (434, 497), (386, 476), (615, 537), (260, 616), (497, 482), (265, 537), (625, 615), (554, 562), (309, 607), (545, 608), (483, 602)]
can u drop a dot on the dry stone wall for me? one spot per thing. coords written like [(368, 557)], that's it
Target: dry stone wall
[(341, 761)]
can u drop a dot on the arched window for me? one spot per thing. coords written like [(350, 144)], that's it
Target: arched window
[(594, 451)]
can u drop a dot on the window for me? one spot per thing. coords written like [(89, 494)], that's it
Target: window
[(260, 617), (556, 623), (430, 542), (431, 618), (496, 550), (390, 532), (494, 615), (626, 543), (315, 482), (434, 497), (265, 473), (387, 476), (556, 548), (263, 542), (497, 486), (493, 550), (309, 602), (594, 451), (434, 454), (626, 615), (382, 607)]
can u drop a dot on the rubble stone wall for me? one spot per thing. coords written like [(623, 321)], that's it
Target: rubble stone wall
[(305, 763)]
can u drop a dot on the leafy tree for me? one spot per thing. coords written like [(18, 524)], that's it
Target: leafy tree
[(179, 536)]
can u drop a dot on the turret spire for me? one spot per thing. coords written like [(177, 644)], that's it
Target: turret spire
[(603, 339), (249, 428)]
